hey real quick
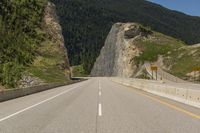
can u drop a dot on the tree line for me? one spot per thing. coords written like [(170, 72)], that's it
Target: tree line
[(86, 24)]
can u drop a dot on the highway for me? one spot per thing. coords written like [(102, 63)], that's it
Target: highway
[(97, 105)]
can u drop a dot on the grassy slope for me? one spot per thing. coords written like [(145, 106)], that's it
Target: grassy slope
[(158, 44), (179, 58), (45, 66), (19, 37), (78, 71), (181, 61)]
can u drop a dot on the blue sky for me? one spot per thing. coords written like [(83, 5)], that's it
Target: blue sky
[(191, 7)]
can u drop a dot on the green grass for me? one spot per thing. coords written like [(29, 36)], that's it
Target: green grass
[(179, 58), (50, 74), (182, 61), (160, 44), (151, 51), (47, 65)]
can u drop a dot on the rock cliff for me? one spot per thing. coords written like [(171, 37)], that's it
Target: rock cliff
[(117, 56), (129, 46)]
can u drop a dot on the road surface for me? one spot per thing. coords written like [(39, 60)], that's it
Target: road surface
[(97, 105)]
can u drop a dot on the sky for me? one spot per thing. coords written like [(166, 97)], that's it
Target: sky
[(190, 7)]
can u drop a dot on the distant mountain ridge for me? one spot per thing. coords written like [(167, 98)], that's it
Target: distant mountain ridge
[(86, 24)]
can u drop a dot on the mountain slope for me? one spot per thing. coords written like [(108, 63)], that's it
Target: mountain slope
[(32, 48), (130, 46), (86, 24)]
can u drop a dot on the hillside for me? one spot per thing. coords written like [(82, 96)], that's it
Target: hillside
[(86, 24), (181, 61), (32, 50), (129, 45)]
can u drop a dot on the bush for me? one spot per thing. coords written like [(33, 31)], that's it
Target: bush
[(11, 73)]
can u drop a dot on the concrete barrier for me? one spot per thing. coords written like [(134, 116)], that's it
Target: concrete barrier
[(185, 93), (15, 93)]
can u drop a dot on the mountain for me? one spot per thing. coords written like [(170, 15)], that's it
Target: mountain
[(130, 46), (86, 24), (32, 50)]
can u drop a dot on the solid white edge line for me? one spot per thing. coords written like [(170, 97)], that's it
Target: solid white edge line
[(30, 107), (100, 109)]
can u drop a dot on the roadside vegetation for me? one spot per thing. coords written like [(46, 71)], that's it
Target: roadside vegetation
[(178, 58), (182, 61), (151, 51), (26, 48), (47, 65), (78, 71), (19, 37), (158, 44)]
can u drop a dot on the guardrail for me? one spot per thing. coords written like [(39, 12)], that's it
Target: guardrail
[(181, 92), (15, 93)]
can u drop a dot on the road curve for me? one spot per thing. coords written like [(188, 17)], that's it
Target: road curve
[(162, 75), (97, 105)]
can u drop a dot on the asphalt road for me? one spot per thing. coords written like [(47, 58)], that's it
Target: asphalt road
[(97, 105)]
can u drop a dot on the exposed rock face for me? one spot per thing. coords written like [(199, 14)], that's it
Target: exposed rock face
[(116, 57), (52, 25), (29, 81)]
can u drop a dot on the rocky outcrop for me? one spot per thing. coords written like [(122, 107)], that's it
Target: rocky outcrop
[(117, 55), (51, 24), (54, 30), (29, 81)]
